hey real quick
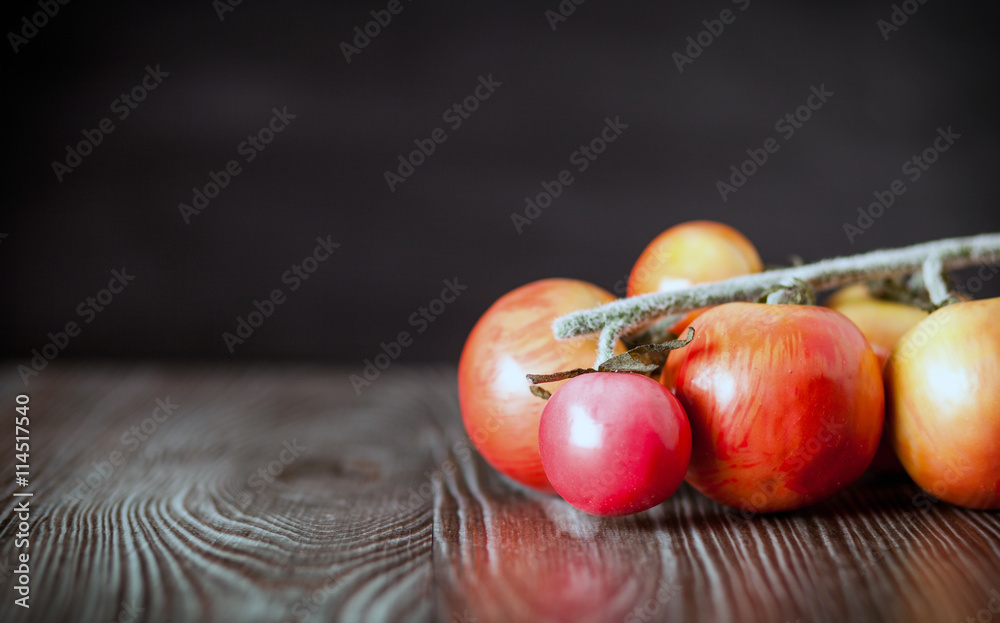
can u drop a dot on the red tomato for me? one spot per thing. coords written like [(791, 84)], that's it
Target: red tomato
[(942, 383), (882, 323), (690, 253), (785, 403), (514, 338), (614, 443)]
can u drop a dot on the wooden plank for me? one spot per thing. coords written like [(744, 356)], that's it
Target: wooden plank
[(269, 494), (382, 512), (881, 551)]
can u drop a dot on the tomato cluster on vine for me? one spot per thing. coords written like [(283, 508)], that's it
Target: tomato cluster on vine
[(769, 407)]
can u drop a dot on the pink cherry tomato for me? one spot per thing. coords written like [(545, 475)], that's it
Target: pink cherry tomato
[(614, 443)]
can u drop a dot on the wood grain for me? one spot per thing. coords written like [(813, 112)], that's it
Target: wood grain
[(381, 512)]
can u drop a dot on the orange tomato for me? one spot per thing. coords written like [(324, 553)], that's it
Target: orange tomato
[(690, 253), (942, 383), (882, 323)]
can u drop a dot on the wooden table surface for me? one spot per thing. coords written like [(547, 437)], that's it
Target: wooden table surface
[(274, 493)]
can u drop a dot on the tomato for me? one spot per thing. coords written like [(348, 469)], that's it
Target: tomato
[(882, 323), (854, 293), (859, 292), (674, 358), (690, 253), (942, 383), (785, 403), (614, 443), (514, 338)]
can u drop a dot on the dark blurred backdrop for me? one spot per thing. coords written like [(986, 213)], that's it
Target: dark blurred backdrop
[(217, 79)]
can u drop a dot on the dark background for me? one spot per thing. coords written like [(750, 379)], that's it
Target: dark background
[(452, 218)]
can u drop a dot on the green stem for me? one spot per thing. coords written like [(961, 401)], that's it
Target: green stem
[(619, 316)]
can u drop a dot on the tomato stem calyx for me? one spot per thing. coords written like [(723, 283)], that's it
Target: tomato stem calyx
[(643, 359)]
